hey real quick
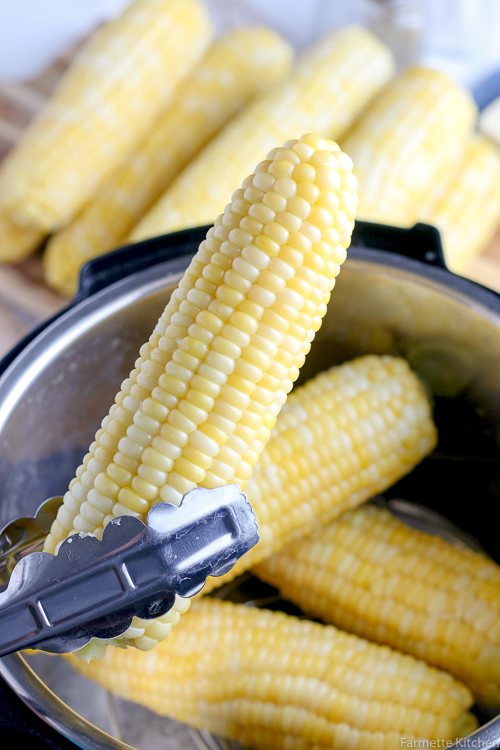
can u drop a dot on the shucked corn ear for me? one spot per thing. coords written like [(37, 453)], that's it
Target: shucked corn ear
[(329, 87), (275, 682), (373, 575), (238, 65), (16, 241), (467, 212), (412, 134), (199, 407), (104, 105), (341, 438)]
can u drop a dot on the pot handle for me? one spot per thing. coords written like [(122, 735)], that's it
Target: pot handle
[(421, 242), (106, 269), (114, 266)]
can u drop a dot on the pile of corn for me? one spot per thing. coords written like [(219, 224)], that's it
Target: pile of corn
[(125, 148), (144, 137)]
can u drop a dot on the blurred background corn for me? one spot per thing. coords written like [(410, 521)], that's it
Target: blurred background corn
[(239, 65), (105, 104), (200, 405), (328, 89), (275, 682), (345, 435), (374, 575), (17, 242), (416, 131), (467, 212)]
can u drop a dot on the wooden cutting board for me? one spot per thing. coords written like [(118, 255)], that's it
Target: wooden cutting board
[(25, 300)]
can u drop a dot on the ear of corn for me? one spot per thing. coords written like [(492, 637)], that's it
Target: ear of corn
[(239, 65), (272, 681), (467, 209), (325, 93), (375, 576), (105, 104), (16, 241), (344, 436), (415, 132), (200, 404)]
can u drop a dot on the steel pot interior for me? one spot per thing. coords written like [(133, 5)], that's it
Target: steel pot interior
[(54, 394)]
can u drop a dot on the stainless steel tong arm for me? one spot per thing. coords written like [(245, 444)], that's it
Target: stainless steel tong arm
[(93, 589)]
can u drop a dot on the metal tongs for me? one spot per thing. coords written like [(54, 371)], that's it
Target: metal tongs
[(93, 589)]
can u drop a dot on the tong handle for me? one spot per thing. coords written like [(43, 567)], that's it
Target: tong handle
[(93, 589)]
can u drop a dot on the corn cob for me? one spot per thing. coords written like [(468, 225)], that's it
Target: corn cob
[(375, 576), (105, 104), (468, 213), (342, 437), (413, 133), (240, 64), (199, 407), (16, 242), (325, 93), (273, 681)]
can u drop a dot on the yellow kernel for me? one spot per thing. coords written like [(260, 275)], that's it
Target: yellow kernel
[(213, 373), (311, 232), (178, 420), (131, 500), (270, 281), (180, 483), (304, 173), (323, 159), (344, 161), (340, 222), (276, 232), (274, 202), (252, 194), (267, 244), (120, 475), (326, 177), (244, 322), (308, 192), (197, 457), (170, 495), (321, 218), (234, 280), (229, 296), (204, 443), (291, 298), (299, 241), (263, 166), (172, 385), (299, 207), (286, 187), (257, 257), (152, 476), (240, 237), (251, 225), (264, 181), (247, 371), (349, 182), (291, 222), (281, 168), (144, 489), (289, 154), (261, 296), (303, 151), (192, 412), (262, 213), (205, 385), (104, 484), (173, 435), (221, 362), (291, 256), (189, 470), (209, 321)]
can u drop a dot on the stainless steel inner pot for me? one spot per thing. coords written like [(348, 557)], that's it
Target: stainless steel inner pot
[(55, 392)]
